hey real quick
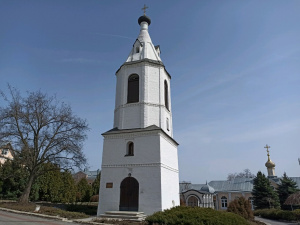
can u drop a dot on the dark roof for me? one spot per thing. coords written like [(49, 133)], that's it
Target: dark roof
[(8, 145), (144, 18), (134, 130)]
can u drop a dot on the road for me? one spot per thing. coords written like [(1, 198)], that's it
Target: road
[(273, 222), (8, 218)]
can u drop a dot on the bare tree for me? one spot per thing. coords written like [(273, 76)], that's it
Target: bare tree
[(245, 174), (42, 130)]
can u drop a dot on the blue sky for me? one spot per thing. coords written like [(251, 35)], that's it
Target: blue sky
[(235, 68)]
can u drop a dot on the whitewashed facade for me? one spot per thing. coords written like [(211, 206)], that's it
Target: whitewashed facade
[(139, 154)]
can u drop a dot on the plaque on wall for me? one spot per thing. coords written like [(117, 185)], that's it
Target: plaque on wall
[(109, 185)]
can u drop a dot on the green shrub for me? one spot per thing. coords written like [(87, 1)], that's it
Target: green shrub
[(277, 214), (87, 209), (182, 215), (241, 207)]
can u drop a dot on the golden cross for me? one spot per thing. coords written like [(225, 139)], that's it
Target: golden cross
[(144, 8), (267, 147)]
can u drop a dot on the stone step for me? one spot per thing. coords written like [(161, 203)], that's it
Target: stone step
[(131, 213), (124, 215)]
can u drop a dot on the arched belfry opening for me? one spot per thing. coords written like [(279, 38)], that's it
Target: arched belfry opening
[(166, 95), (133, 88), (129, 194)]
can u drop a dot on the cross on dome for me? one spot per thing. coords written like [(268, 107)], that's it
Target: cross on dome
[(144, 8), (267, 147)]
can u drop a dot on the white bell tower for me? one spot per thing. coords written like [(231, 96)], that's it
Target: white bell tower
[(140, 161)]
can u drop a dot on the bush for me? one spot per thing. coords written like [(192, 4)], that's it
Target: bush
[(94, 198), (87, 209), (278, 214), (241, 207), (195, 216)]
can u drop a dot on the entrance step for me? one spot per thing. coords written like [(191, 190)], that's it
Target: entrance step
[(124, 215)]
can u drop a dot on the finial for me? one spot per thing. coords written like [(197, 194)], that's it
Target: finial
[(267, 147), (144, 8)]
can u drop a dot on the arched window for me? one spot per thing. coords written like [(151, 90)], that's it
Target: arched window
[(130, 149), (193, 201), (133, 88), (223, 202), (166, 95)]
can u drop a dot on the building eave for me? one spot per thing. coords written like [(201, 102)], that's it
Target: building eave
[(115, 131), (145, 60)]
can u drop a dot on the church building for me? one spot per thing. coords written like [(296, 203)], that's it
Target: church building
[(140, 160), (218, 194)]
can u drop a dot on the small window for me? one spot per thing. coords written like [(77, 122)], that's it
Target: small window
[(133, 88), (4, 151), (166, 95), (224, 202), (130, 149), (251, 202), (168, 125), (137, 49)]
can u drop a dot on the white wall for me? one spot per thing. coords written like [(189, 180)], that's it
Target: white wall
[(153, 165), (150, 110)]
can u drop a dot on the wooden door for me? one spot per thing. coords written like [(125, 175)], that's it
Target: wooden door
[(129, 195)]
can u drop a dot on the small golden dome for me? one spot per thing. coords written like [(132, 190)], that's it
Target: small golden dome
[(269, 163)]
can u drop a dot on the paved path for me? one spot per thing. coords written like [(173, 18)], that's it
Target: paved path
[(274, 222), (9, 218)]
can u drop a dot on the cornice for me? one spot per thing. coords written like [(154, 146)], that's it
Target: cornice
[(149, 61), (141, 165), (142, 103), (136, 132)]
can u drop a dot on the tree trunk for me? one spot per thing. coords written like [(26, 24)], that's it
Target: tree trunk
[(25, 195)]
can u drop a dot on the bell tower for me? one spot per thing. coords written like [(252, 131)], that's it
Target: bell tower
[(140, 160)]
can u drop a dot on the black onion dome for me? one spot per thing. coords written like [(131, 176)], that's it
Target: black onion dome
[(144, 18)]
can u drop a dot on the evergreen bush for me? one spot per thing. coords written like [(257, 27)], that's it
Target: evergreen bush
[(183, 215), (277, 214)]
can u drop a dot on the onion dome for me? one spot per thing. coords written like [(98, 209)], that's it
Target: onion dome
[(269, 163), (144, 18), (207, 188)]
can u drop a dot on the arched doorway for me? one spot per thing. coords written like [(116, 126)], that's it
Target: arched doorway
[(193, 201), (129, 195)]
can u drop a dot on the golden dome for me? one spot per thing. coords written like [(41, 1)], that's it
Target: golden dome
[(270, 164)]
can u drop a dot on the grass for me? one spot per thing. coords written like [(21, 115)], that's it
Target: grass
[(47, 210)]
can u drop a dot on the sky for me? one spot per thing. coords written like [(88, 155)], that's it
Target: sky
[(235, 68)]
